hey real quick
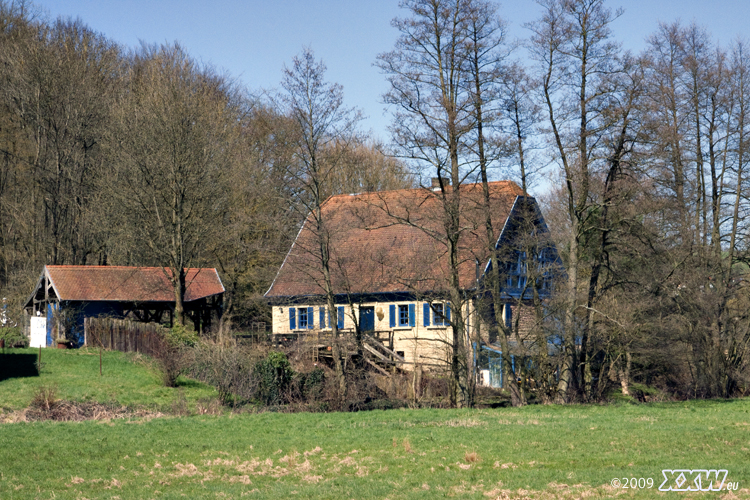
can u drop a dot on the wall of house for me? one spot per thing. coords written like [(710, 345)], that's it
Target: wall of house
[(526, 326), (420, 343), (527, 320)]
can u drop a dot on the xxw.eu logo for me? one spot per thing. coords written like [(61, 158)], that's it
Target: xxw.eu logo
[(694, 480)]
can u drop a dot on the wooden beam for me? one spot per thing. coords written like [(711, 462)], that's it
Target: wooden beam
[(379, 368)]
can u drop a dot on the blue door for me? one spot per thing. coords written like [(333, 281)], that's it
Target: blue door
[(367, 319), (51, 324)]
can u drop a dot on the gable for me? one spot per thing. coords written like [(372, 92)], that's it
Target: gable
[(526, 251), (392, 242)]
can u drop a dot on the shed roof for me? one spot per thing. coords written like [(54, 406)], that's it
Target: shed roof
[(128, 284), (393, 241)]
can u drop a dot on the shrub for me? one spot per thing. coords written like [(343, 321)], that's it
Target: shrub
[(274, 375), (45, 398), (13, 336), (180, 336), (228, 369), (171, 351), (314, 384)]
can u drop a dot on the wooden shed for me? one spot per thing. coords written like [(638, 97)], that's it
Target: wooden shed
[(65, 295)]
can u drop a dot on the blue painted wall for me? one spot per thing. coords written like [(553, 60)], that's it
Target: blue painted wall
[(81, 310)]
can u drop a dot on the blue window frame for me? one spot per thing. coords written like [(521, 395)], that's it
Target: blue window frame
[(302, 318), (438, 314), (403, 315), (441, 314)]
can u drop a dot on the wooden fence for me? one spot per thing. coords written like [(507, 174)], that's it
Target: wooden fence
[(123, 335)]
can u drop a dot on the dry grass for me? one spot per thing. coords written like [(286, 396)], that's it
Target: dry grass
[(45, 398), (460, 422), (471, 457), (407, 446)]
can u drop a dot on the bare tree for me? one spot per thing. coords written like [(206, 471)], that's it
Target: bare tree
[(325, 129), (485, 58), (433, 117), (176, 138), (572, 44), (260, 224)]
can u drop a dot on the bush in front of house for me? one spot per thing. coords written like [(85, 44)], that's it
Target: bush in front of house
[(274, 376), (171, 351), (227, 368)]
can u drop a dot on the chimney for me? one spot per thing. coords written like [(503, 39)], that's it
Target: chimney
[(436, 182)]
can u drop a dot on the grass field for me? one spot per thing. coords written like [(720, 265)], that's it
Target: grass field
[(127, 379), (532, 452)]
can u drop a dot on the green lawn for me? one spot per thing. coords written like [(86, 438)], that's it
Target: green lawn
[(533, 452), (127, 379)]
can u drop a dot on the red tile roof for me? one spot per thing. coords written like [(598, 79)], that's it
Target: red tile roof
[(129, 284), (392, 241)]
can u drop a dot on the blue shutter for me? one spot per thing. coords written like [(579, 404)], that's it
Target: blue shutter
[(392, 311), (341, 316), (412, 315), (426, 313), (447, 312), (310, 318), (508, 316), (292, 319), (322, 317)]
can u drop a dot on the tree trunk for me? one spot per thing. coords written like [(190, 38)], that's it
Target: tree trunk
[(624, 374), (179, 294), (568, 361)]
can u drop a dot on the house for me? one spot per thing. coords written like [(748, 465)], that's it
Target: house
[(390, 272), (65, 295)]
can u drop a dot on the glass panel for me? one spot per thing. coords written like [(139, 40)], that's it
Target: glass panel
[(403, 315)]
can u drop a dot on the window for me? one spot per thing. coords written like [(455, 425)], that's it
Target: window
[(403, 315), (303, 317), (516, 270), (438, 313), (521, 270), (304, 320)]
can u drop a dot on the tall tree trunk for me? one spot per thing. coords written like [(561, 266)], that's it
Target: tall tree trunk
[(503, 333), (179, 293), (337, 350)]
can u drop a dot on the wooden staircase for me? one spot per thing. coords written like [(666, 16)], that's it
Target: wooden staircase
[(377, 347), (378, 355)]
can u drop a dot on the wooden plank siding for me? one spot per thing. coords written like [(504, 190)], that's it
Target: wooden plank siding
[(124, 335)]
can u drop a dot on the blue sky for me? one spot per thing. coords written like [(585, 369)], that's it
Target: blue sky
[(253, 39)]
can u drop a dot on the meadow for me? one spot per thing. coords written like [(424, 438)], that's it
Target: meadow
[(531, 452)]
